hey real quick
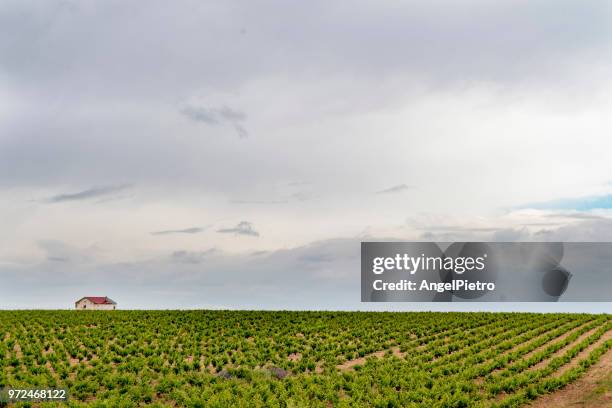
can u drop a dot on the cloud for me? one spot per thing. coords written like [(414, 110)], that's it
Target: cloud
[(301, 183), (457, 228), (577, 230), (243, 228), (192, 230), (217, 116), (301, 196), (267, 280), (318, 257), (57, 259), (61, 252), (596, 230), (320, 275), (192, 257), (126, 121), (510, 235), (201, 115), (464, 40), (258, 201), (577, 216), (302, 90), (295, 196), (95, 192), (241, 131), (400, 188)]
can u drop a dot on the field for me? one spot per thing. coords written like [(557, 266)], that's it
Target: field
[(295, 359)]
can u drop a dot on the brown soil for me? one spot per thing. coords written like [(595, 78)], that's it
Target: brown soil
[(480, 380), (536, 338), (347, 365), (538, 349), (554, 341), (584, 353), (563, 350), (294, 357), (50, 368), (592, 390)]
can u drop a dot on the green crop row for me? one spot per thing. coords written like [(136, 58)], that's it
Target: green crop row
[(294, 359)]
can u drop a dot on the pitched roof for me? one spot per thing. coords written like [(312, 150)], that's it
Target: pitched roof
[(99, 300)]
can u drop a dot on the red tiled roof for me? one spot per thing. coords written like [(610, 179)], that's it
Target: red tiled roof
[(99, 300)]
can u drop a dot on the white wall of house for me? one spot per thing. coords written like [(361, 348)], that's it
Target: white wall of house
[(86, 304)]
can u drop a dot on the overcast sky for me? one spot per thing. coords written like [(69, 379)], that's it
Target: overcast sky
[(234, 154)]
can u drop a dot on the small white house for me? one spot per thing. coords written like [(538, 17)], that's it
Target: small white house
[(95, 303)]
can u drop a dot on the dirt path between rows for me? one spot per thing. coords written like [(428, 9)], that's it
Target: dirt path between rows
[(347, 365), (592, 390), (542, 364)]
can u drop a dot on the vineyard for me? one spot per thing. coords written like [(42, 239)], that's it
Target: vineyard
[(298, 359)]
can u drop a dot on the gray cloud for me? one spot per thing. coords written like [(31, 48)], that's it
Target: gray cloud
[(318, 257), (510, 235), (231, 115), (485, 234), (192, 257), (208, 116), (428, 236), (192, 230), (301, 183), (401, 188), (125, 121), (95, 192), (459, 42), (304, 196), (295, 196), (540, 224), (544, 233), (577, 216), (57, 259), (587, 230), (456, 228), (243, 228), (200, 278), (258, 201), (595, 230), (60, 252), (241, 131), (73, 114), (217, 116), (320, 275)]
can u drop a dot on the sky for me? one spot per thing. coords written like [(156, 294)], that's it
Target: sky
[(201, 154)]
